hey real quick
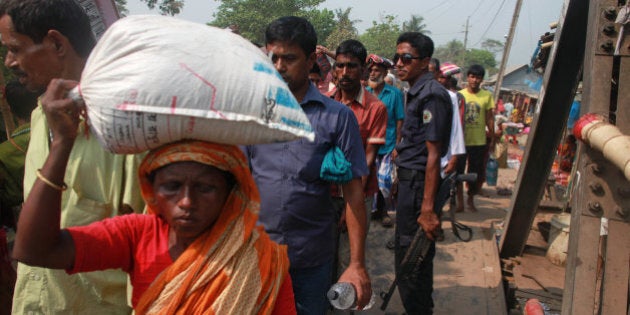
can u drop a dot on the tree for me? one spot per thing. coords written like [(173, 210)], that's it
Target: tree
[(121, 6), (252, 17), (344, 29), (452, 51), (381, 38), (492, 45), (166, 7), (484, 58), (323, 21), (415, 24)]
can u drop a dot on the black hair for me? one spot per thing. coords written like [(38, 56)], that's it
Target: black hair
[(436, 64), (453, 81), (353, 48), (315, 69), (34, 18), (292, 29), (420, 42), (20, 99), (476, 70)]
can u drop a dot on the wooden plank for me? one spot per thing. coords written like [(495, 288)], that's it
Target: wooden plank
[(616, 274), (560, 79), (581, 268), (493, 284), (551, 205), (538, 273), (467, 276)]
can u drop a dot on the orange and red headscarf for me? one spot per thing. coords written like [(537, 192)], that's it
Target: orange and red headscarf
[(233, 268)]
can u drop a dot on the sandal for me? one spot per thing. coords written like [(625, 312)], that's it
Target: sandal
[(390, 245), (386, 221)]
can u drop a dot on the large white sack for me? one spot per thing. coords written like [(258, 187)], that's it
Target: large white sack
[(151, 80)]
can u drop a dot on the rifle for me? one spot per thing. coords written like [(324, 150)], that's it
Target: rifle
[(414, 256), (419, 246)]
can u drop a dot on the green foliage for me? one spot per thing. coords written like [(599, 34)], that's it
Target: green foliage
[(484, 58), (166, 7), (253, 16), (381, 38), (344, 29), (323, 21), (453, 51), (415, 24), (121, 6), (492, 45)]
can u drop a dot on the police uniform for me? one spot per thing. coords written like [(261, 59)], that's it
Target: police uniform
[(428, 117)]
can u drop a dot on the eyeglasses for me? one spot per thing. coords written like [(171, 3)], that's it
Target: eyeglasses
[(406, 58), (349, 65)]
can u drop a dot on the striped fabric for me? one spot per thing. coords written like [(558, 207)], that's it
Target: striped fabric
[(448, 68), (233, 268)]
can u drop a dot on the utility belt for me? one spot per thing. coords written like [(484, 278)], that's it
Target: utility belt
[(405, 174)]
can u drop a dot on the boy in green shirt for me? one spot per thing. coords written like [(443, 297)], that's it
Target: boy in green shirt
[(478, 116)]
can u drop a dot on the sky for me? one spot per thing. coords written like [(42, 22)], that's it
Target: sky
[(446, 20)]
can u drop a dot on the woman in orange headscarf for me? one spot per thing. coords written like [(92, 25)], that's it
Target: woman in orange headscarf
[(197, 251)]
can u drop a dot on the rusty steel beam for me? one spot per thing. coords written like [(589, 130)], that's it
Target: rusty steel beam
[(560, 83)]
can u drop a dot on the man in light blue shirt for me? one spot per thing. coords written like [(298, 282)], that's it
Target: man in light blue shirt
[(393, 100)]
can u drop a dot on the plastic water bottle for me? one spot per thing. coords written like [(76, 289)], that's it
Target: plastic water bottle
[(492, 171), (343, 296)]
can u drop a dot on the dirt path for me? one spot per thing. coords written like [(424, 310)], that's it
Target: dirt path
[(467, 275)]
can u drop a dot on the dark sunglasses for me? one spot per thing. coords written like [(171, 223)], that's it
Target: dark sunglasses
[(349, 65), (406, 58)]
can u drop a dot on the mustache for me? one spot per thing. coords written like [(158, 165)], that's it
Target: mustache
[(18, 72), (345, 79)]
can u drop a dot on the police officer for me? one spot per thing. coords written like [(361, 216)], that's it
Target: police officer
[(425, 138)]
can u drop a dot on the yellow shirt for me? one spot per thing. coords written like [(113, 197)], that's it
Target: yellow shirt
[(475, 116), (98, 182)]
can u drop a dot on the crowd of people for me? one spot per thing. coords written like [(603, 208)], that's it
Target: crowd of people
[(258, 229)]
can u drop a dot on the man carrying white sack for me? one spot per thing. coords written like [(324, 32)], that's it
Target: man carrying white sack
[(49, 39), (296, 207)]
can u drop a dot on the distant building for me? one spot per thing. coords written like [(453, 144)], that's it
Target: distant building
[(521, 87)]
